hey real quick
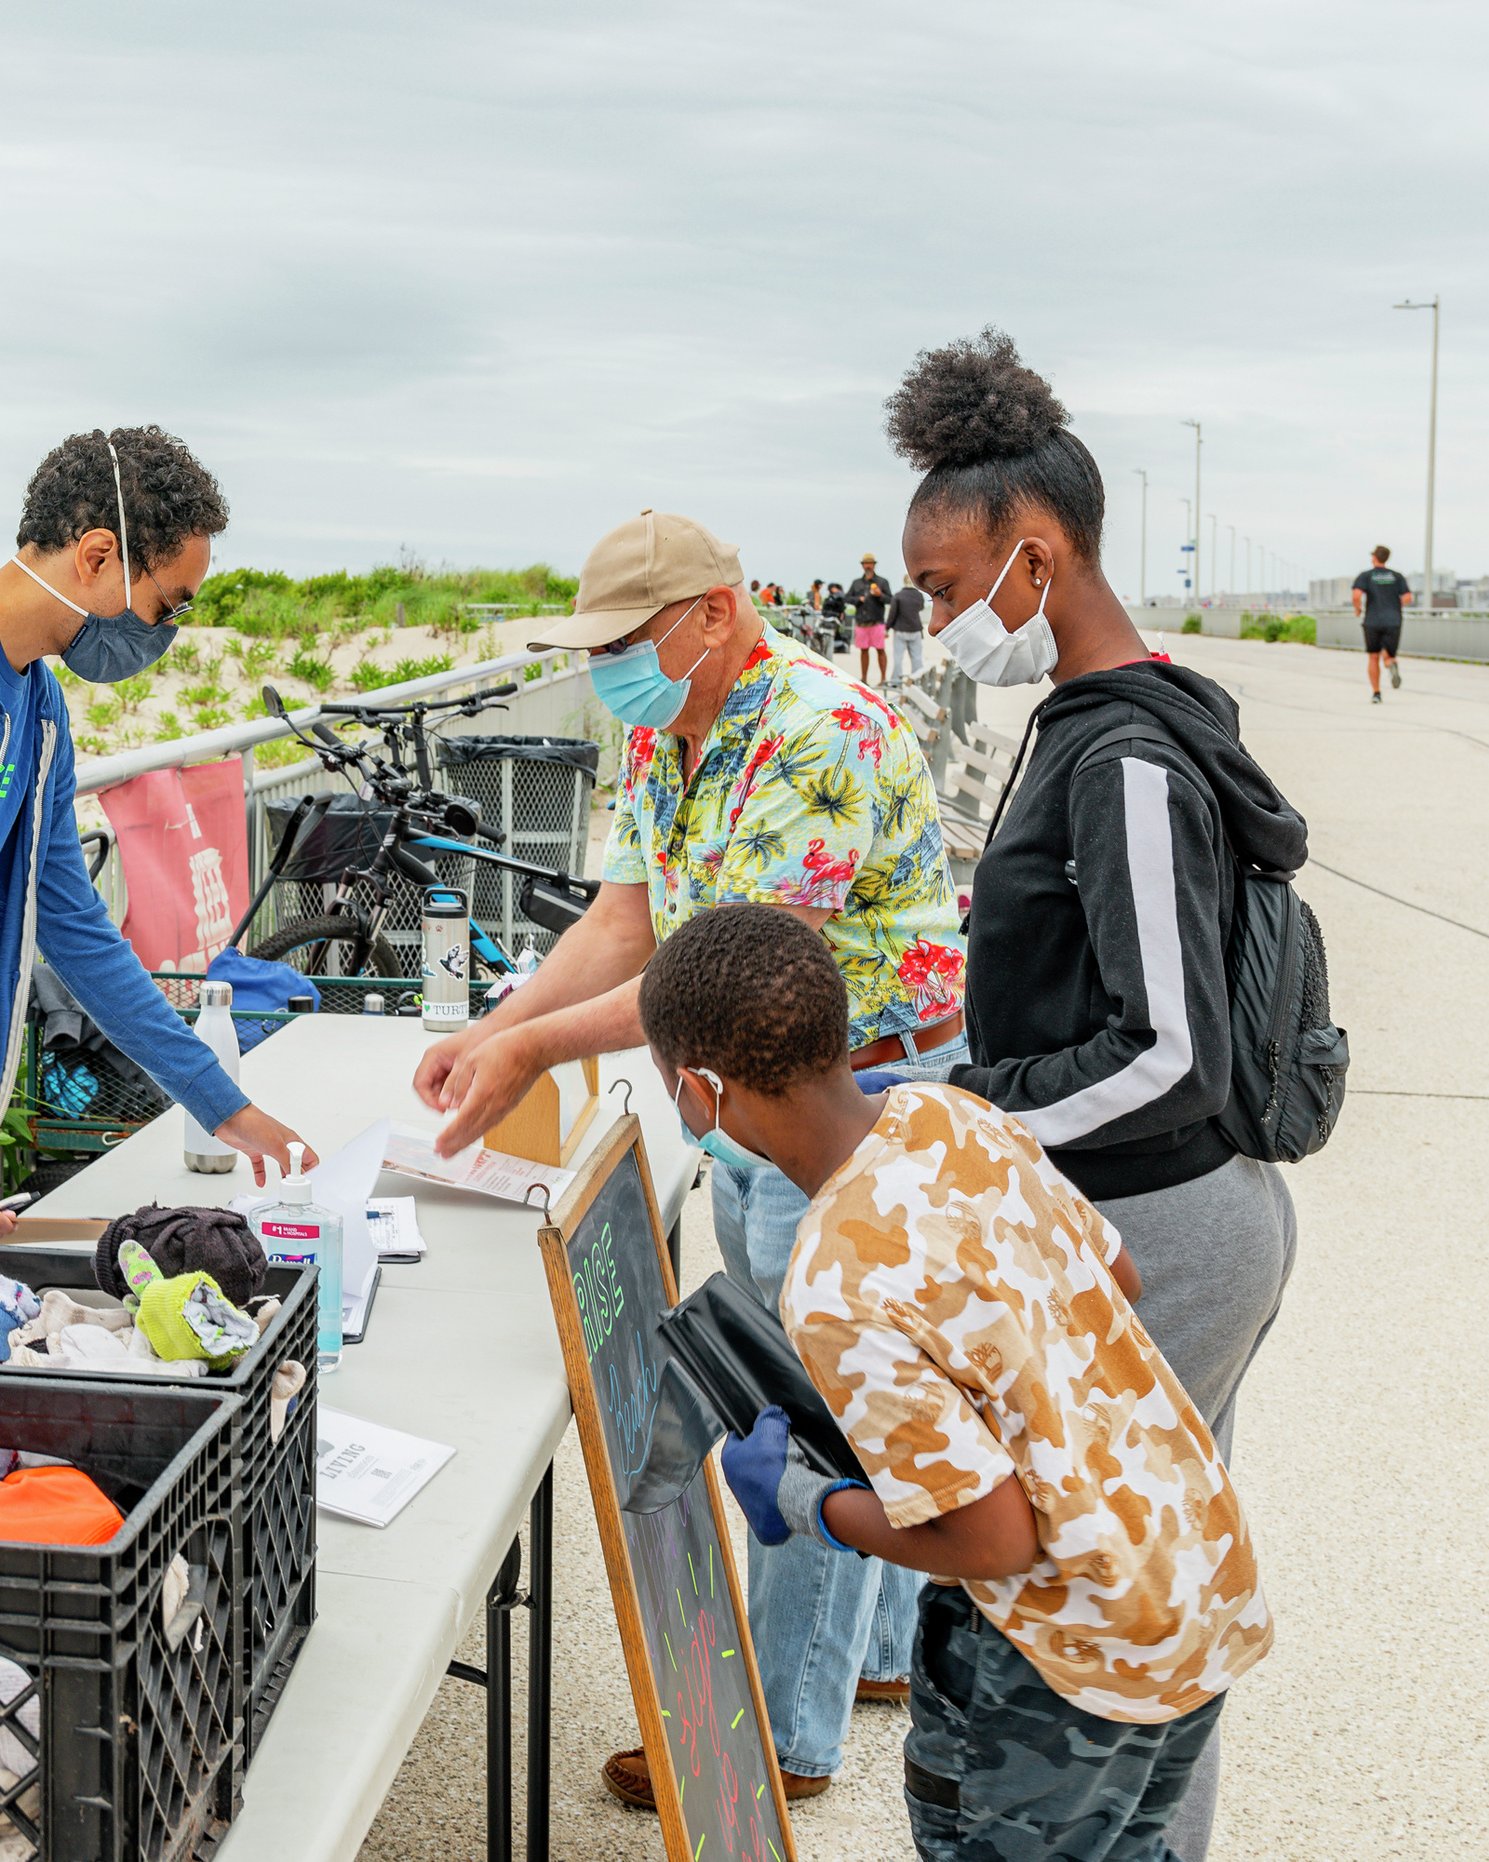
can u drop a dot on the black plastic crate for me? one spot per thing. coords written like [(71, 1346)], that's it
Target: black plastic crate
[(275, 1488), (135, 1752)]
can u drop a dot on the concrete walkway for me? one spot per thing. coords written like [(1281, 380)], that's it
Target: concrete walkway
[(1364, 1428)]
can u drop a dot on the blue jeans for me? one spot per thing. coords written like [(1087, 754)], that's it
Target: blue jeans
[(819, 1619)]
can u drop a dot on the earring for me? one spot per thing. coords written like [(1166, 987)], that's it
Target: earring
[(1036, 581)]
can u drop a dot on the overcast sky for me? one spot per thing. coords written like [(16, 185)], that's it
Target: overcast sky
[(479, 281)]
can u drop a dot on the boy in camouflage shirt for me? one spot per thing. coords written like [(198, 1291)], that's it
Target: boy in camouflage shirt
[(967, 1315)]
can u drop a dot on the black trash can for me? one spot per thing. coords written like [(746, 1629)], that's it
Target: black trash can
[(536, 791)]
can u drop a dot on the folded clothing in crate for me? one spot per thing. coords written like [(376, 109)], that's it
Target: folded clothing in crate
[(178, 1241), (55, 1505)]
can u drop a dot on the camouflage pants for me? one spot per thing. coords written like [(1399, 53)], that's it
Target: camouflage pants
[(999, 1768)]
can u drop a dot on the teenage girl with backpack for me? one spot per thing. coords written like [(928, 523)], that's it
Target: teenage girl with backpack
[(1097, 1006)]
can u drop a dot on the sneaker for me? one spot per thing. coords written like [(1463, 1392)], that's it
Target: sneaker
[(1375, 698), (1395, 676)]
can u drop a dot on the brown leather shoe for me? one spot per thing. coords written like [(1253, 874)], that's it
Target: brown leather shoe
[(896, 1691), (627, 1776)]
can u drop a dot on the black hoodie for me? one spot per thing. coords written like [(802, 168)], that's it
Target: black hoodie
[(1096, 1000)]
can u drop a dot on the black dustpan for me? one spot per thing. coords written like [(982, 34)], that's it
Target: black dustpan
[(727, 1358)]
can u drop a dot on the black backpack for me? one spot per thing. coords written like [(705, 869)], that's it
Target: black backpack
[(1288, 1059)]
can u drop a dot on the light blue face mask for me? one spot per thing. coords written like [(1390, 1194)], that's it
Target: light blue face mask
[(632, 686), (717, 1142), (110, 647)]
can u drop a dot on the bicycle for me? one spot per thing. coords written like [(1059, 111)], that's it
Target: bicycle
[(345, 939)]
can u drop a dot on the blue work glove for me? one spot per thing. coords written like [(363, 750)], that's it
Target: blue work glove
[(777, 1492), (878, 1080)]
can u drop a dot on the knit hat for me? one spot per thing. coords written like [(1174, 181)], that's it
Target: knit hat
[(216, 1241)]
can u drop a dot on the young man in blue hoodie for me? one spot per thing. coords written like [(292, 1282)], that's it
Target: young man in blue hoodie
[(114, 541)]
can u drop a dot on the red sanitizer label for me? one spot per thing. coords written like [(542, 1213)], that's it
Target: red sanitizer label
[(293, 1231)]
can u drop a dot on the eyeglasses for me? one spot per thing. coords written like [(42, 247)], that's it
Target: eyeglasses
[(628, 640), (169, 616)]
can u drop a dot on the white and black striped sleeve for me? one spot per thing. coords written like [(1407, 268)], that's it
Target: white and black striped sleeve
[(1144, 843)]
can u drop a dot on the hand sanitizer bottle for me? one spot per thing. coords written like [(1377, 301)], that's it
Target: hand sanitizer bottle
[(297, 1232), (214, 1025)]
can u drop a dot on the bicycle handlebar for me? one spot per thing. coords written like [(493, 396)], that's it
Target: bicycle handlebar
[(370, 713)]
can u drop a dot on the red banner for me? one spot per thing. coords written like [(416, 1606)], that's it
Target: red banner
[(183, 840)]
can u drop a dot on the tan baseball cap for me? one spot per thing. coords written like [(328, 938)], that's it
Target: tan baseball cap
[(638, 568), (868, 556)]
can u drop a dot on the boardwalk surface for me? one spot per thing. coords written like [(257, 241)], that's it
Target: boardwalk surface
[(1362, 1442)]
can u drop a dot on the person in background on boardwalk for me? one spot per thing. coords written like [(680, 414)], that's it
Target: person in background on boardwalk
[(1379, 595), (1097, 1003), (814, 596), (908, 628), (752, 773), (870, 594)]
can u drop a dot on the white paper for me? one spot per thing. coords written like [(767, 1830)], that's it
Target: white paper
[(394, 1223), (368, 1473), (343, 1182), (411, 1153)]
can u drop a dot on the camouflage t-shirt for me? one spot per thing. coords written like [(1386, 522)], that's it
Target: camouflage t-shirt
[(951, 1298)]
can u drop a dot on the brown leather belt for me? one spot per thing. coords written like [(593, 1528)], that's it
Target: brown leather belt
[(907, 1046)]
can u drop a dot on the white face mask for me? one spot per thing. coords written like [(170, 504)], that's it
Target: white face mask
[(985, 650)]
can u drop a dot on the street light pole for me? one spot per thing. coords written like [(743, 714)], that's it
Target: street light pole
[(1436, 308), (1214, 555), (1198, 442), (1247, 542), (1142, 574), (1231, 588)]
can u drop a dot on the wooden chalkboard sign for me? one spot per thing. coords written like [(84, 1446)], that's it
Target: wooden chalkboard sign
[(677, 1596)]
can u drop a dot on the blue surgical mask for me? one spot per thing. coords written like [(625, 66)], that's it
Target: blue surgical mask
[(633, 688), (717, 1142), (110, 647)]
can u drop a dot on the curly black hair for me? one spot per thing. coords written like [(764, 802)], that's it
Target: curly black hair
[(169, 495), (991, 436), (750, 991)]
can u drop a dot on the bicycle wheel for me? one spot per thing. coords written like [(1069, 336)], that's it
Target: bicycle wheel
[(353, 955)]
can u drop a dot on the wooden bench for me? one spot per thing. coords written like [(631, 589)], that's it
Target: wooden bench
[(928, 719), (970, 795)]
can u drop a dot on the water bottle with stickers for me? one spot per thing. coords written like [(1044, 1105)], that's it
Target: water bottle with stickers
[(446, 970)]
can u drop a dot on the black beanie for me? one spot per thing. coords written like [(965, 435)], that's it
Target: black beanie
[(183, 1241)]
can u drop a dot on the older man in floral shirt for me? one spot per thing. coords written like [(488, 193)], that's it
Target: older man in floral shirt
[(753, 771)]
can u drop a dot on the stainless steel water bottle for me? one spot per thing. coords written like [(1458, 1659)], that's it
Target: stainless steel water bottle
[(446, 970), (214, 1025)]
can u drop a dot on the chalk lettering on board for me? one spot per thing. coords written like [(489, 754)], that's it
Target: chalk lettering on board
[(714, 1736), (617, 1296), (633, 1404)]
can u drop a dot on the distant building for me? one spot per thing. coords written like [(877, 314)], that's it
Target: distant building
[(1334, 591), (1444, 590)]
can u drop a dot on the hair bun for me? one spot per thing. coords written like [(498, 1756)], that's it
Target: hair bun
[(968, 401)]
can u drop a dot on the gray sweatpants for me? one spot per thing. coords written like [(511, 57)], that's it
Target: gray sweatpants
[(1215, 1256)]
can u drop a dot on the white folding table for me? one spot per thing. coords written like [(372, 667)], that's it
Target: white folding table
[(460, 1347)]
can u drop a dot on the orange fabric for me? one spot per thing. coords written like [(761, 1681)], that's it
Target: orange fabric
[(55, 1506)]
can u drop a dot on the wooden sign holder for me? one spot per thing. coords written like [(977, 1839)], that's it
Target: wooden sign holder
[(31, 1229), (555, 1237), (534, 1129)]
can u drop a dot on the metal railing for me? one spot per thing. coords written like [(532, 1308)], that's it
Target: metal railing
[(554, 698)]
